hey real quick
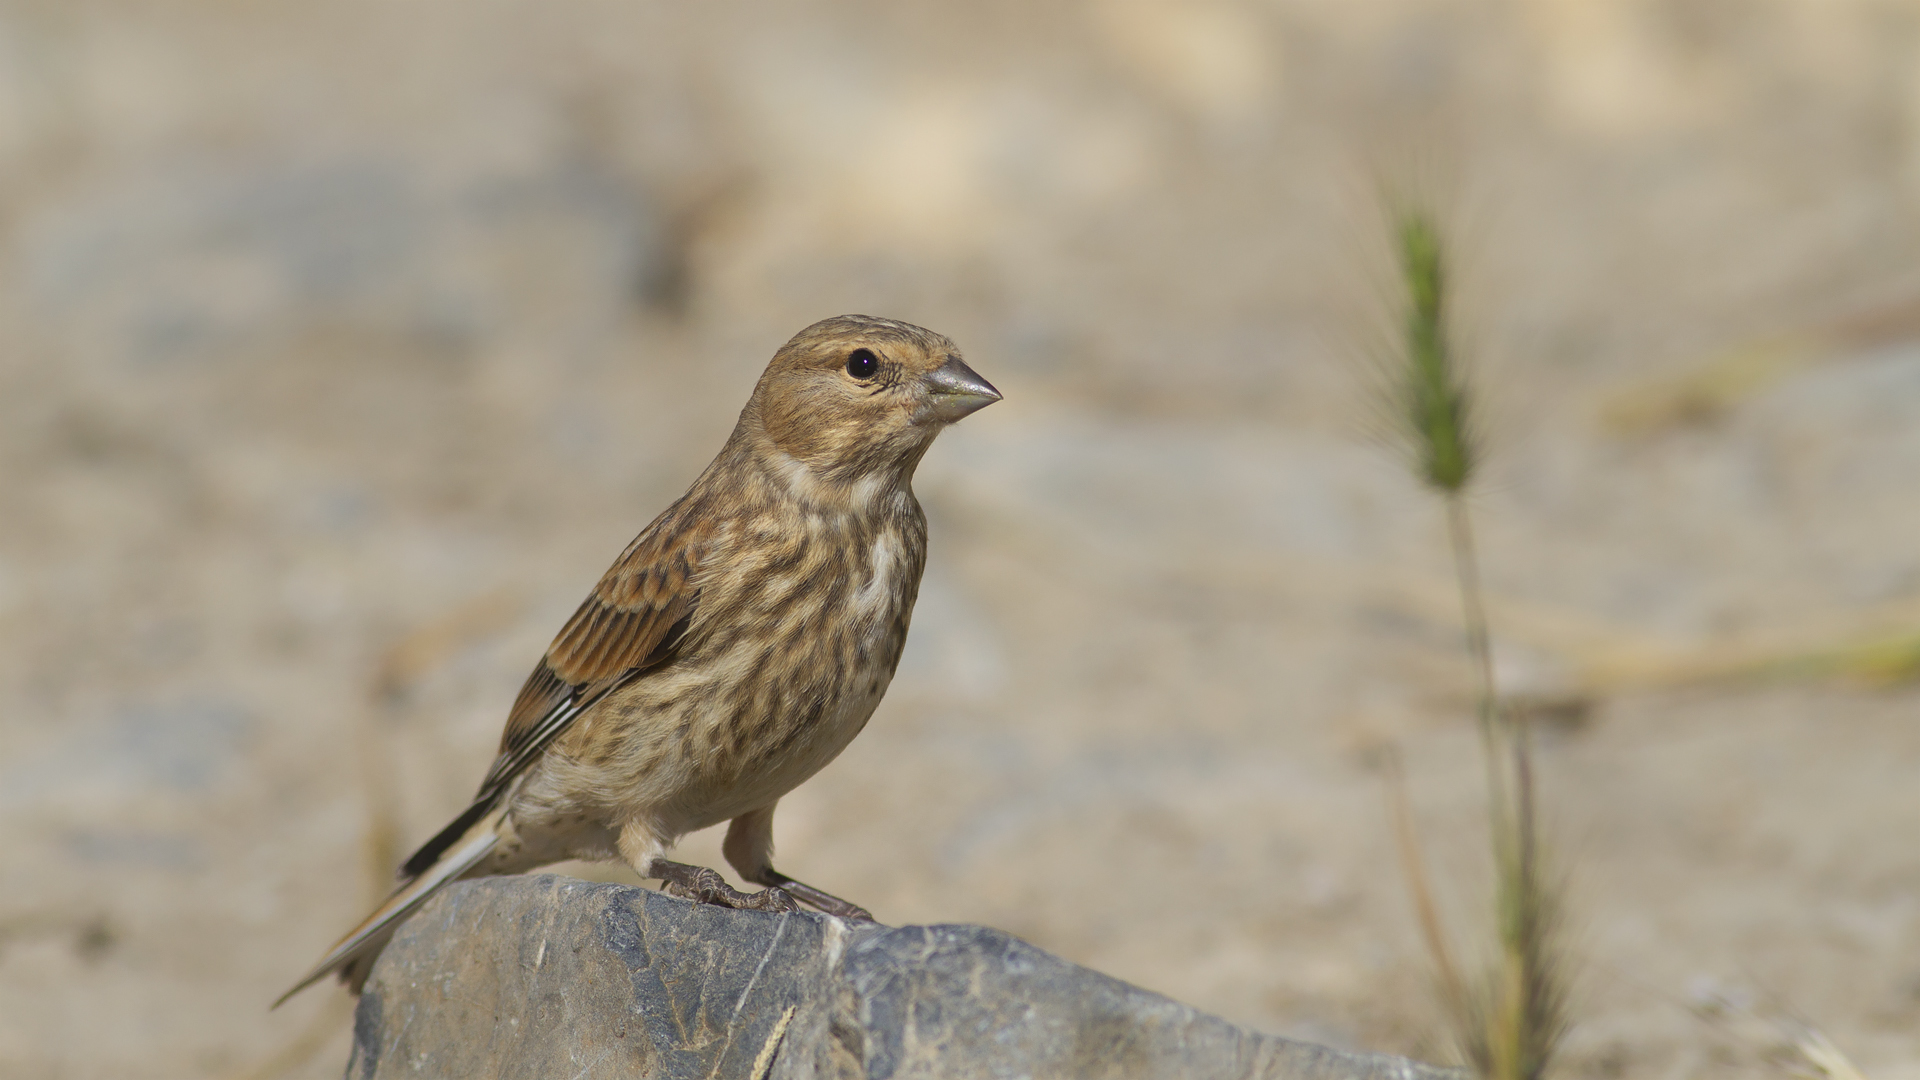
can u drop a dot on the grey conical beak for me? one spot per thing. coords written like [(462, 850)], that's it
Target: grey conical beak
[(954, 390)]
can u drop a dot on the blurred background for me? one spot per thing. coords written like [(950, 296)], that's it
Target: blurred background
[(345, 344)]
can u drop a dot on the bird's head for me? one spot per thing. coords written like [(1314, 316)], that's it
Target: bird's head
[(854, 397)]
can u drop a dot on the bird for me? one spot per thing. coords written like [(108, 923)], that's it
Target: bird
[(734, 648)]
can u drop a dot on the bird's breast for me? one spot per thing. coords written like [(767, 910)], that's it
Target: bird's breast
[(797, 648)]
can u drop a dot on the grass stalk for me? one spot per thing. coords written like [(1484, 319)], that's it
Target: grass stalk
[(1508, 1024), (1452, 987)]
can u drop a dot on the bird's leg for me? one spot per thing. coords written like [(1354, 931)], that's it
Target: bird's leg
[(707, 887), (819, 898), (641, 846), (749, 848)]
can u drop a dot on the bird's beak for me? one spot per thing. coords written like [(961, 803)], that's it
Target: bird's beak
[(954, 390)]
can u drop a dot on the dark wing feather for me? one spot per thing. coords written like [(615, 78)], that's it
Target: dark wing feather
[(630, 625)]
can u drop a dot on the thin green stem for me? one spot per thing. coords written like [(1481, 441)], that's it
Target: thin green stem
[(1479, 646)]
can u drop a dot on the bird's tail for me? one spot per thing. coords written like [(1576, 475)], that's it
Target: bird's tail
[(355, 952)]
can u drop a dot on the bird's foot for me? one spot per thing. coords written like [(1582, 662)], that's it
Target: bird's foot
[(701, 885), (818, 898)]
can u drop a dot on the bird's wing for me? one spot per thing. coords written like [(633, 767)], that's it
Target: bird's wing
[(630, 625)]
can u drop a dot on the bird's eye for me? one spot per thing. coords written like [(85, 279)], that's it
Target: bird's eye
[(862, 364)]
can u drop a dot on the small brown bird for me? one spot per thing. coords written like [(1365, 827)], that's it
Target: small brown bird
[(734, 648)]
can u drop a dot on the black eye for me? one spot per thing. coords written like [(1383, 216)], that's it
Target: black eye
[(862, 364)]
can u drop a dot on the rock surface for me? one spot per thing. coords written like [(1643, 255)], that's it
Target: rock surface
[(549, 976)]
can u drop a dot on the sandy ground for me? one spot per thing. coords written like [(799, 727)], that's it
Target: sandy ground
[(346, 343)]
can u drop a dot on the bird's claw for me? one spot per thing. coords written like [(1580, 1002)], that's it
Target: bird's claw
[(708, 887), (820, 898), (851, 911)]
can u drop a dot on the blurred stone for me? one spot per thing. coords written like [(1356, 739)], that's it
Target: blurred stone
[(173, 262), (540, 975)]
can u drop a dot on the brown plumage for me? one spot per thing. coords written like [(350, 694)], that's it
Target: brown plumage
[(735, 647)]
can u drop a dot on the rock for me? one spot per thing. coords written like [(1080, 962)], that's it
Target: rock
[(531, 976)]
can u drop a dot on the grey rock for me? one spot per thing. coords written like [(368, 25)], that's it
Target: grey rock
[(533, 976)]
